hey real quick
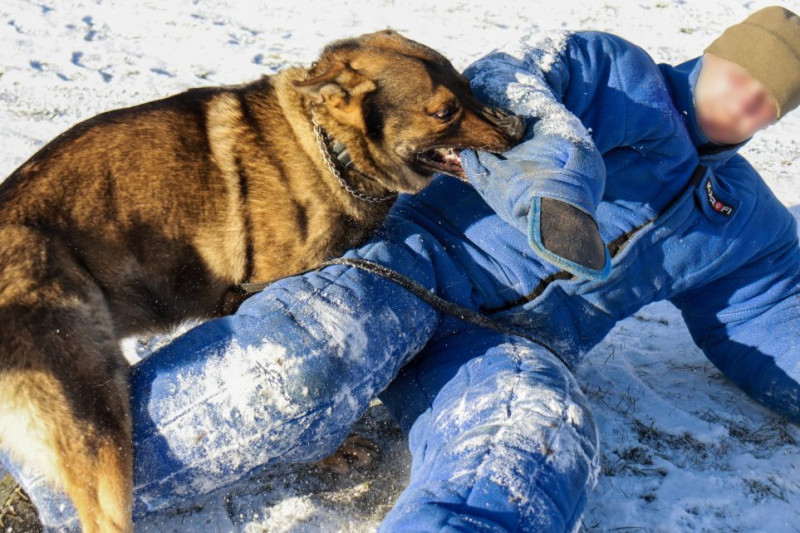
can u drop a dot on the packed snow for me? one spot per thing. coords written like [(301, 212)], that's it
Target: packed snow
[(682, 448)]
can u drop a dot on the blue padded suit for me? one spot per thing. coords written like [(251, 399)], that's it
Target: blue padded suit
[(501, 435)]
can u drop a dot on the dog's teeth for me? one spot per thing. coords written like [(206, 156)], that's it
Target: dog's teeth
[(443, 158), (452, 157)]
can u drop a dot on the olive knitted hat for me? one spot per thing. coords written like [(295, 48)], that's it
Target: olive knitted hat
[(767, 45)]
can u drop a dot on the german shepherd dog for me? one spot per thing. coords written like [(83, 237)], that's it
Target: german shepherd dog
[(138, 219)]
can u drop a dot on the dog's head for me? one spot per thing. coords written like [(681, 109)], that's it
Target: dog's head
[(401, 109)]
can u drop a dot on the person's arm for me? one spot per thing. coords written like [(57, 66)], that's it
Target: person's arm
[(584, 94), (748, 322)]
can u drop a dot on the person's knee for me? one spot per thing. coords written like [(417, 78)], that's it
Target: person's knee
[(549, 400), (516, 382), (515, 427)]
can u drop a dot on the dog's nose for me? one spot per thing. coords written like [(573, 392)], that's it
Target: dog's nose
[(513, 126)]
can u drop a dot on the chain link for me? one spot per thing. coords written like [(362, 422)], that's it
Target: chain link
[(326, 154)]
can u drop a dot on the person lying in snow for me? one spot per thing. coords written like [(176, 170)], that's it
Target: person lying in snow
[(501, 435)]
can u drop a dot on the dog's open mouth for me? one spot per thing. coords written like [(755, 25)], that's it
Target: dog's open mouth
[(444, 160)]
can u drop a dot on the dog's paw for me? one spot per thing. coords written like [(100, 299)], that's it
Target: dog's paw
[(356, 451)]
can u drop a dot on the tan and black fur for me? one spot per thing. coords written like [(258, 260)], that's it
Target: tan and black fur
[(140, 218)]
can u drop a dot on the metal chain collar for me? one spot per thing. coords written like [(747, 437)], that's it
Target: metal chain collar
[(326, 154)]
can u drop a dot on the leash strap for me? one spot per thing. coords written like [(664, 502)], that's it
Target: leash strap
[(424, 294)]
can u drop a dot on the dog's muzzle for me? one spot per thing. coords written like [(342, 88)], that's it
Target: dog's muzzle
[(512, 126)]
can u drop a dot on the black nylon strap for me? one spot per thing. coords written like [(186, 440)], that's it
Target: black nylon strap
[(422, 292)]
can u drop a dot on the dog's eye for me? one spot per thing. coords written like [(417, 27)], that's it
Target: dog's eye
[(446, 113)]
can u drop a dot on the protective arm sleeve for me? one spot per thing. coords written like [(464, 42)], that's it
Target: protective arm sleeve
[(582, 94)]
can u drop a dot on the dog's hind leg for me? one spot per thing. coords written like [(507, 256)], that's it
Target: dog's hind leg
[(63, 381)]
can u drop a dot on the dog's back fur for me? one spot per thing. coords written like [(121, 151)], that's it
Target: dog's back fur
[(140, 218)]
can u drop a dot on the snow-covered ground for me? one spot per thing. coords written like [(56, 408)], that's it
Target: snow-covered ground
[(683, 450)]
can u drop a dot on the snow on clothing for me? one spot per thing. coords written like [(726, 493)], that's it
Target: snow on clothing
[(501, 435)]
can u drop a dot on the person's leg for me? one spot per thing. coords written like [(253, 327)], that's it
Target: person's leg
[(283, 380), (507, 441)]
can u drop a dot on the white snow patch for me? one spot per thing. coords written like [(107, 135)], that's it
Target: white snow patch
[(347, 336), (574, 415)]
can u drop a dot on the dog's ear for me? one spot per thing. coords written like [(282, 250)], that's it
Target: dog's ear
[(341, 89), (391, 40)]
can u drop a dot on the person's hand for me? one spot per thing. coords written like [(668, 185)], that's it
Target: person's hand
[(558, 231), (494, 175)]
